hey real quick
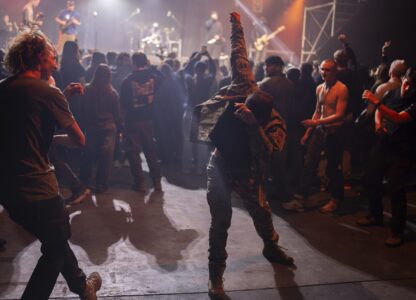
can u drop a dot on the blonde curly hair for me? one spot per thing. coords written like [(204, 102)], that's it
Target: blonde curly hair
[(26, 51)]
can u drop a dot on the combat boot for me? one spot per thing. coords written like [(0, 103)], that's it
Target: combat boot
[(216, 283), (275, 254)]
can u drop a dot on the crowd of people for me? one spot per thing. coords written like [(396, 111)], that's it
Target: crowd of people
[(267, 132)]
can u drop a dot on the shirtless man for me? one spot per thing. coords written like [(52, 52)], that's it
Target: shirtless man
[(30, 20), (323, 133)]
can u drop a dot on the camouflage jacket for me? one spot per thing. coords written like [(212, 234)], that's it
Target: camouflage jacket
[(264, 141)]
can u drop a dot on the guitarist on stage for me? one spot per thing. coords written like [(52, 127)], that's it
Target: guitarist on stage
[(30, 19), (68, 20), (261, 38), (214, 35), (258, 30)]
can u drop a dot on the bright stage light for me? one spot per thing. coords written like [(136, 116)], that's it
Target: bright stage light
[(276, 41)]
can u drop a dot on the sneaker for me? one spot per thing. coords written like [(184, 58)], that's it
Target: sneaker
[(369, 221), (275, 254), (92, 285), (216, 289), (331, 206), (394, 241), (80, 197), (295, 205)]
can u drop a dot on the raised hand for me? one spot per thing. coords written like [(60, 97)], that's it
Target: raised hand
[(234, 17), (386, 44), (342, 37)]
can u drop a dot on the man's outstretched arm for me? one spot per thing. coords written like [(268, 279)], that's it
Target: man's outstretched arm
[(240, 66)]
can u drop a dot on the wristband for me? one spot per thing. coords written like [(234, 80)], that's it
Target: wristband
[(378, 104)]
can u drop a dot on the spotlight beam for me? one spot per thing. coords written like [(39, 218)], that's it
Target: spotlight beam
[(276, 41)]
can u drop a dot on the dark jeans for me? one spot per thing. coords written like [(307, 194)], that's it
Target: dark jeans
[(220, 184), (140, 136), (98, 150), (320, 140), (63, 171), (48, 220), (395, 165)]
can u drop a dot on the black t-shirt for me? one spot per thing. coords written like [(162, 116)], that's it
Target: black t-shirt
[(401, 135), (30, 111), (137, 94), (231, 138)]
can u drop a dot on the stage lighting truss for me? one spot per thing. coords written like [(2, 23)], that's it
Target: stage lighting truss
[(322, 22)]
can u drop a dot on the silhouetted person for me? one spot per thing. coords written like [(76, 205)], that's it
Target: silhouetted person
[(137, 96), (101, 120), (393, 158), (97, 58)]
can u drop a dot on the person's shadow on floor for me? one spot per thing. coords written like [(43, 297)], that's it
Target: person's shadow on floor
[(134, 216)]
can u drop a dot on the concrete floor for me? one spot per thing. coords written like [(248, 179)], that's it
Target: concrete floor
[(154, 246)]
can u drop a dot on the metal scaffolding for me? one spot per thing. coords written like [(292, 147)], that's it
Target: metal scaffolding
[(321, 22)]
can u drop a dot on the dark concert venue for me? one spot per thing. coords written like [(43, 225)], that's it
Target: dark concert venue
[(207, 149)]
